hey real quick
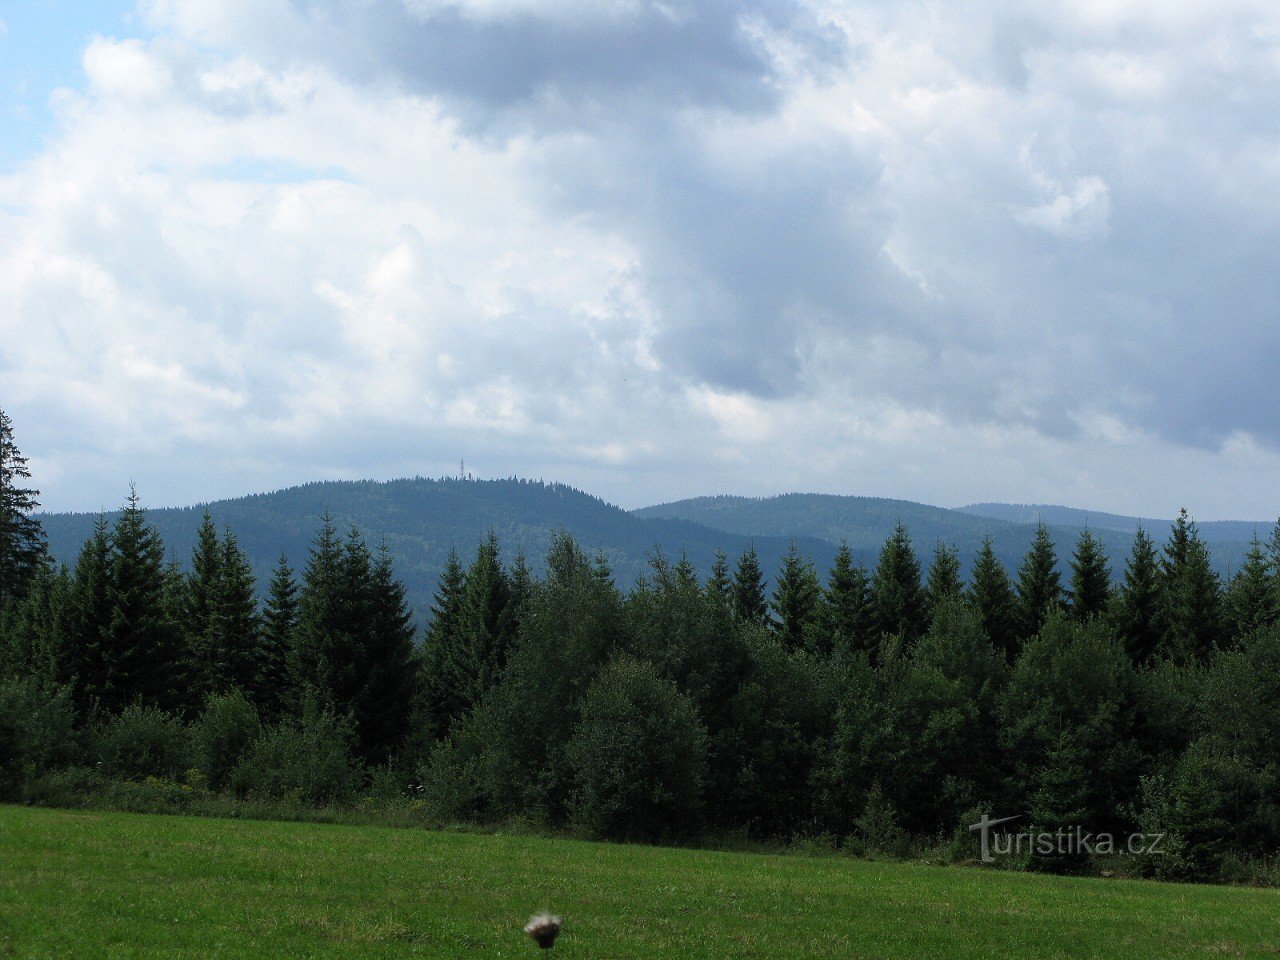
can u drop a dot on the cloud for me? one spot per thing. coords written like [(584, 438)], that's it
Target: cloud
[(658, 248)]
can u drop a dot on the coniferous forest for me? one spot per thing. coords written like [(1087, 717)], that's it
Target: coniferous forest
[(877, 710)]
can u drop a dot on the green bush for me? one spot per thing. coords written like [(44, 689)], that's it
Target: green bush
[(143, 742), (223, 735), (639, 756), (308, 760), (37, 731)]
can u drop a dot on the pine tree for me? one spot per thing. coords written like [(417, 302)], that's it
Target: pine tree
[(22, 544), (1193, 595), (234, 626), (521, 588), (795, 600), (354, 640), (272, 685), (749, 603), (1039, 585), (203, 585), (385, 705), (486, 628), (847, 616), (143, 653), (321, 614), (943, 583), (896, 595), (1090, 578), (1137, 614), (1252, 602), (719, 588), (88, 615), (992, 595), (444, 632)]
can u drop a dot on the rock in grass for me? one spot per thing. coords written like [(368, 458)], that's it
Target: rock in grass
[(544, 928)]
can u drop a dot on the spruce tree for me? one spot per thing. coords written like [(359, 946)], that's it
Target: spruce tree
[(719, 587), (235, 626), (386, 700), (1039, 585), (142, 648), (1090, 578), (22, 544), (897, 597), (355, 640), (1251, 599), (1193, 595), (88, 617), (444, 634), (795, 600), (486, 627), (203, 584), (1138, 611), (749, 603), (943, 583), (847, 615), (992, 596), (521, 586), (272, 686)]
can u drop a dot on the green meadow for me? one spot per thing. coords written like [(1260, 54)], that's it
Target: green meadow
[(99, 885)]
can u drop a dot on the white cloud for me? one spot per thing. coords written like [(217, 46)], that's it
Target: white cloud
[(667, 249)]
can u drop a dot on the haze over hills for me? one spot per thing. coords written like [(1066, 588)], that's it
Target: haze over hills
[(864, 522), (421, 520), (1213, 531)]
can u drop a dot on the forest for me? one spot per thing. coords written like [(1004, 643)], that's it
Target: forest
[(876, 709)]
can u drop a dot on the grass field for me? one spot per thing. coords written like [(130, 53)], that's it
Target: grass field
[(89, 885)]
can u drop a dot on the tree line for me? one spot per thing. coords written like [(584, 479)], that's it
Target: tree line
[(876, 708)]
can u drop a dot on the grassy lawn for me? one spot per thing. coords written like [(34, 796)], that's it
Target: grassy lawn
[(88, 885)]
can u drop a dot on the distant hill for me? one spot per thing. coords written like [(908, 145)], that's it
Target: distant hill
[(865, 522), (1213, 531), (420, 520)]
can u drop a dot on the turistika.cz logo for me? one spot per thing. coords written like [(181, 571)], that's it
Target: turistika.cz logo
[(999, 841)]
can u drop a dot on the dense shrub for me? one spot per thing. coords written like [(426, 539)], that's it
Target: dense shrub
[(143, 742), (37, 730), (222, 736), (308, 760), (639, 756)]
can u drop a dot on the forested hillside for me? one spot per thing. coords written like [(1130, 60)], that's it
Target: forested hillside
[(422, 520), (864, 522)]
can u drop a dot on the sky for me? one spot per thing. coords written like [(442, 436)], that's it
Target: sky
[(950, 252)]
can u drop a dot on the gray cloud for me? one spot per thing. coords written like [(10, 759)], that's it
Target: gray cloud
[(636, 242)]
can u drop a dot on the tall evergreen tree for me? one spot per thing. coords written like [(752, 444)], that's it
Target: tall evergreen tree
[(444, 635), (203, 583), (272, 686), (22, 544), (1252, 600), (234, 626), (143, 653), (485, 628), (896, 594), (1138, 610), (386, 700), (993, 597), (1039, 584), (795, 600), (719, 586), (354, 640), (88, 615), (749, 603), (1193, 594), (847, 615), (1090, 578), (943, 583)]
